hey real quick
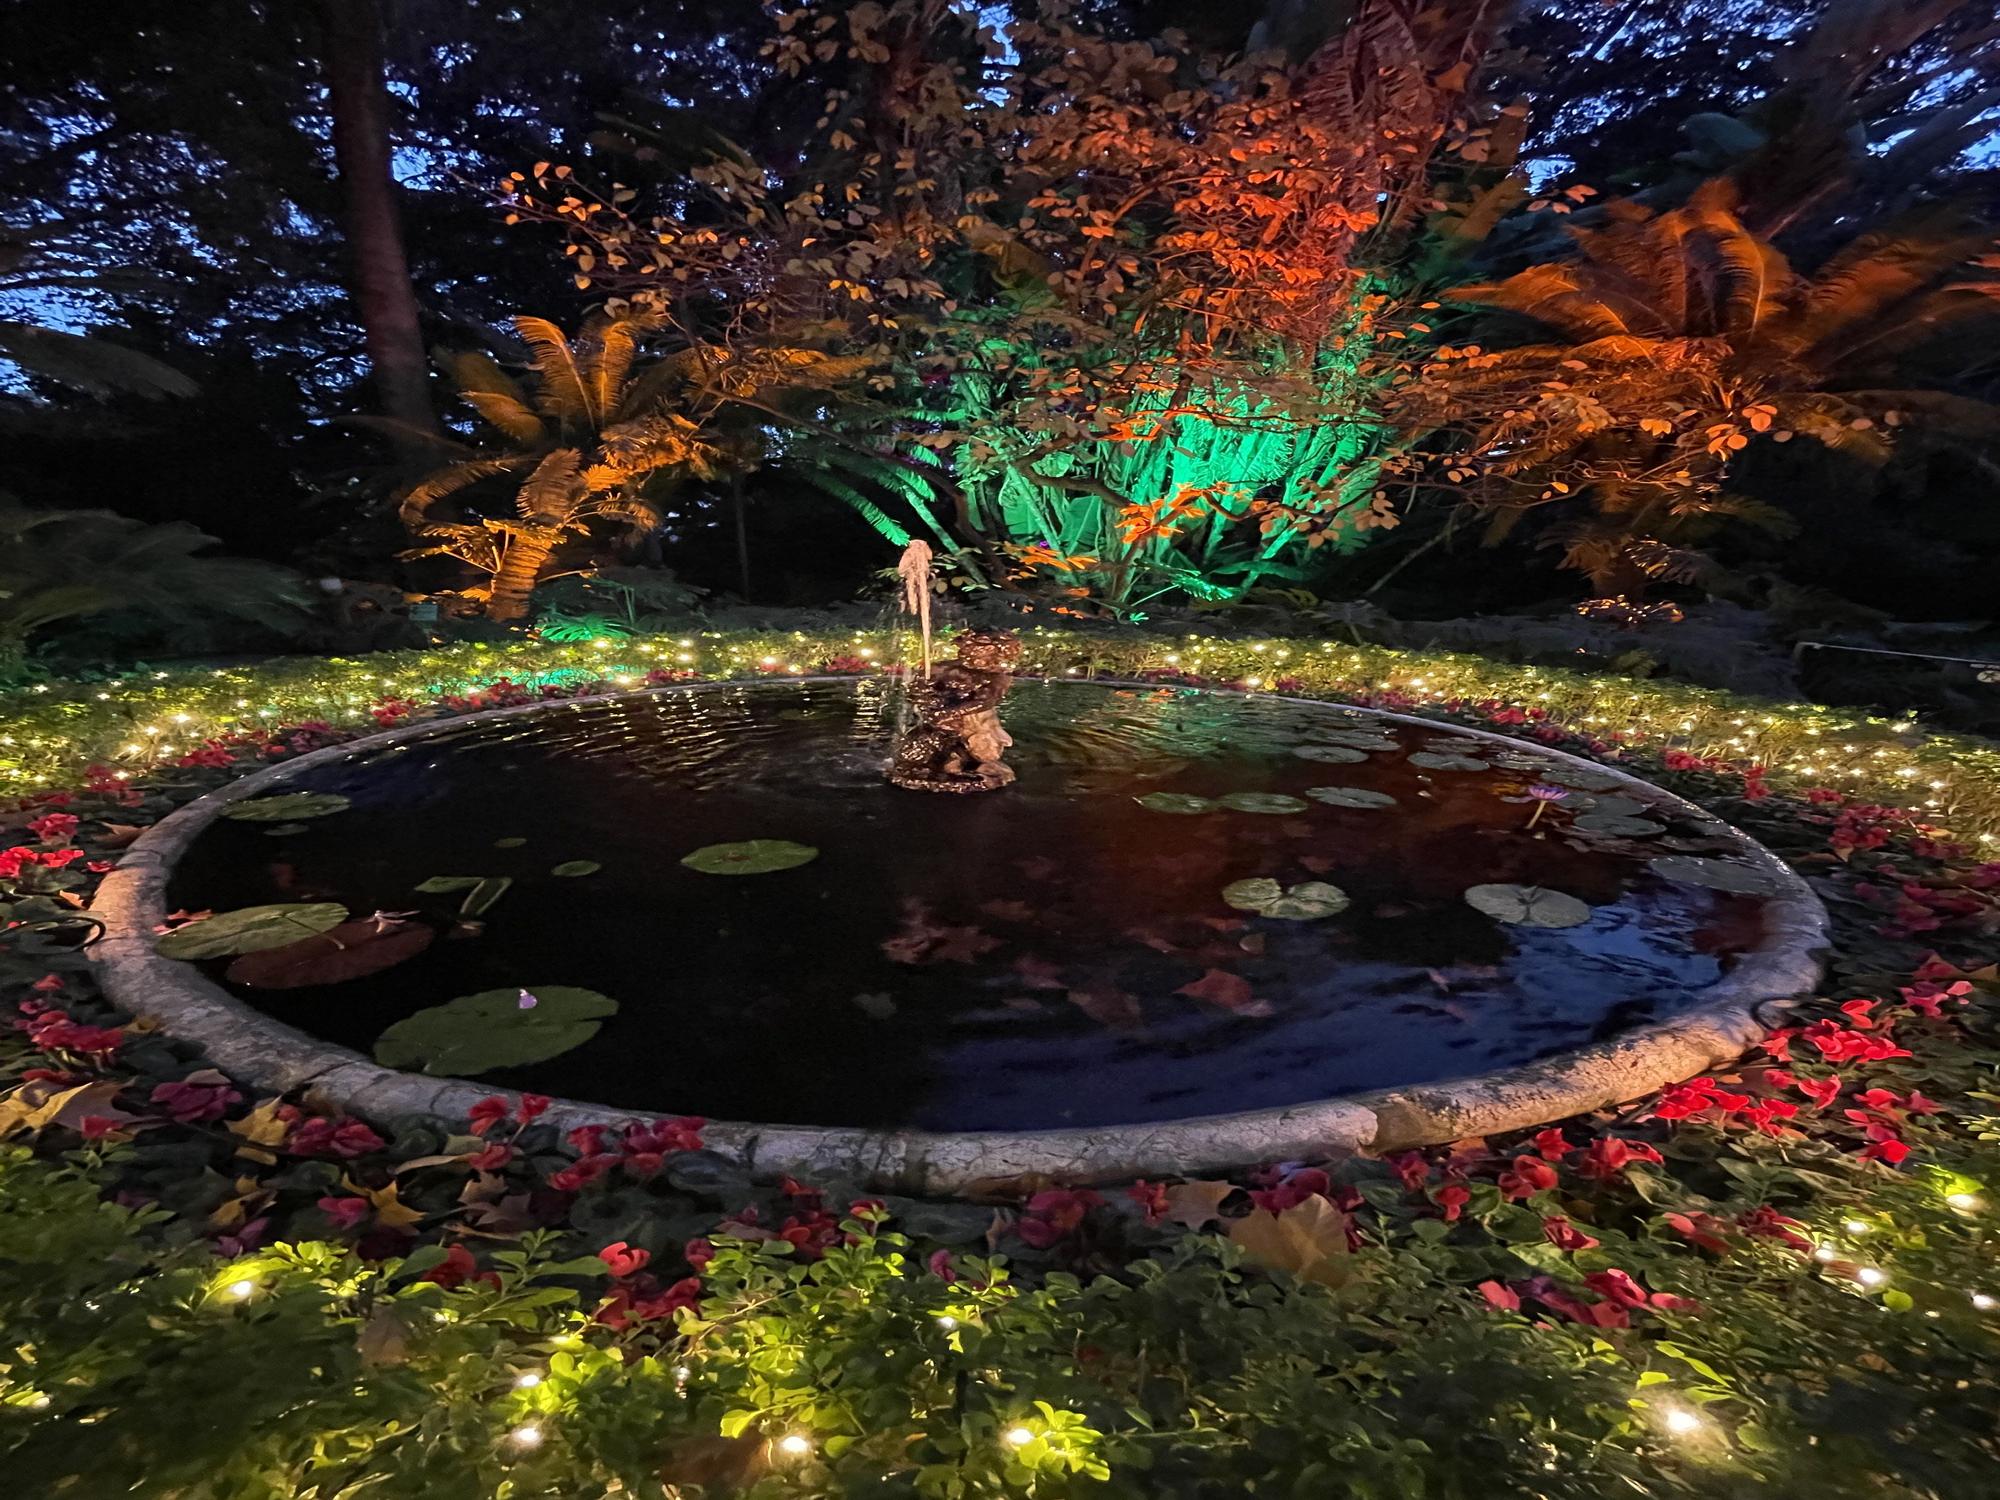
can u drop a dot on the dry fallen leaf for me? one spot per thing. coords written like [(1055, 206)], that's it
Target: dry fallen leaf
[(1309, 1240), (1196, 1203)]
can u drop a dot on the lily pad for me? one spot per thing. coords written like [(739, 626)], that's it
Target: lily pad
[(513, 843), (1355, 739), (345, 952), (1350, 796), (1174, 802), (250, 929), (284, 830), (1527, 905), (752, 857), (1306, 902), (1332, 755), (1716, 874), (1620, 807), (1436, 760), (1456, 745), (494, 1029), (1516, 760), (481, 891), (1617, 825), (288, 807), (1261, 802), (570, 868), (1584, 779)]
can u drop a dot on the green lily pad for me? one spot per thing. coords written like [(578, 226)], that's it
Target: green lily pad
[(1617, 807), (1306, 902), (1332, 755), (1585, 780), (1617, 825), (1174, 802), (1516, 760), (752, 857), (349, 951), (1350, 796), (513, 843), (1261, 802), (571, 868), (251, 929), (1527, 905), (1435, 760), (287, 807), (1456, 744), (481, 891), (1355, 739), (1716, 874), (494, 1029)]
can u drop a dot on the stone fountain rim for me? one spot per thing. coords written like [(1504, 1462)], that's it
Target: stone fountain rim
[(1733, 1014)]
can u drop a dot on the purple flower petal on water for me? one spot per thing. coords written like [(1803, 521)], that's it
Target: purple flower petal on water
[(1542, 791), (528, 1001)]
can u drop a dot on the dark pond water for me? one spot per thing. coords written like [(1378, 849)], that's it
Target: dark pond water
[(1007, 960)]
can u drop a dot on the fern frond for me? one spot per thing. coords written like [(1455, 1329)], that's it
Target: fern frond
[(427, 491), (550, 494), (494, 394), (561, 394)]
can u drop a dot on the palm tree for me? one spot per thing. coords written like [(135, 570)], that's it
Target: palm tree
[(1668, 342), (589, 441)]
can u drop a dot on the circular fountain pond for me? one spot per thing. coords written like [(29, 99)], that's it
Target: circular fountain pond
[(1203, 927)]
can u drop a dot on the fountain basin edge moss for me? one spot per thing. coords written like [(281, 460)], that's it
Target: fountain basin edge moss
[(1727, 1018)]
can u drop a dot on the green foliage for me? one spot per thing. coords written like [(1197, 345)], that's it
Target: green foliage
[(505, 1028), (58, 567)]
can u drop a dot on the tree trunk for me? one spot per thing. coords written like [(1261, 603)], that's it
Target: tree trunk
[(742, 532), (527, 558), (359, 98)]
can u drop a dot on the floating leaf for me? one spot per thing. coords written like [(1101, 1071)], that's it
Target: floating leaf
[(478, 1033), (1716, 874), (1230, 991), (1585, 780), (1174, 802), (481, 897), (1261, 802), (444, 885), (1433, 760), (1527, 905), (287, 807), (1620, 807), (876, 1005), (753, 857), (1456, 744), (1617, 825), (513, 843), (570, 868), (1350, 796), (284, 830), (1516, 760), (1305, 902), (251, 929), (1332, 755), (345, 952), (1356, 739)]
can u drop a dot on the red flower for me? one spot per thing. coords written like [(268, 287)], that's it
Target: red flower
[(1305, 1183), (1551, 1144), (492, 1159), (347, 1213), (1529, 1176), (941, 1266), (1822, 1091), (1452, 1198), (319, 1136), (698, 1252), (1412, 1168), (622, 1260), (1558, 1231), (1500, 1297), (486, 1114), (453, 1269), (1885, 1146), (1765, 1222), (584, 1170), (1618, 1286), (1700, 1230), (95, 1127), (1151, 1198), (1054, 1214), (188, 1101), (533, 1107), (588, 1140), (53, 828)]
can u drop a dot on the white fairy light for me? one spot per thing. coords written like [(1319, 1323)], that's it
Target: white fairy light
[(526, 1436), (527, 1380), (794, 1443), (1870, 1276), (1017, 1437), (241, 1289), (1681, 1422), (1983, 1302)]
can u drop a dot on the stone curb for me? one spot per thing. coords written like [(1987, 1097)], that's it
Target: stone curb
[(1734, 1013)]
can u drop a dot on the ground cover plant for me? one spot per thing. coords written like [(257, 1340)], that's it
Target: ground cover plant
[(1776, 1279)]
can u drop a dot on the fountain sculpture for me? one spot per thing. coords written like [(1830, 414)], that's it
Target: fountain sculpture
[(957, 742)]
